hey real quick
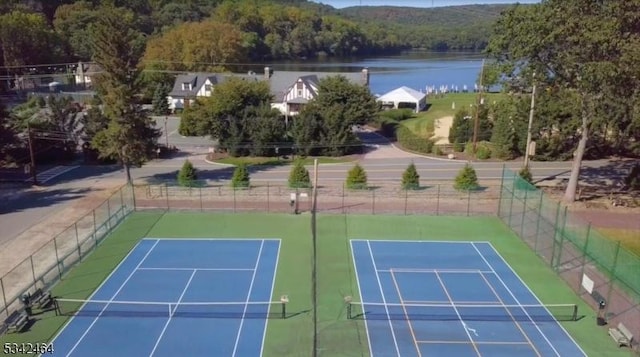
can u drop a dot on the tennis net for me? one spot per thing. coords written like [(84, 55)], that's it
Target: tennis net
[(233, 310), (464, 312)]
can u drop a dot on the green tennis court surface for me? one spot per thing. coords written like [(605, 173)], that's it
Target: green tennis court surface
[(336, 278)]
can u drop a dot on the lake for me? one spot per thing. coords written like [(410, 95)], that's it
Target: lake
[(414, 69)]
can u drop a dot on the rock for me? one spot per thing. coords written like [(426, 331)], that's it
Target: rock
[(451, 156)]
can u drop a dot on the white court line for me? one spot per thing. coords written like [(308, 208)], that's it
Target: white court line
[(530, 291), (440, 271), (216, 239), (199, 269), (355, 268), (406, 314), (273, 284), (464, 325), (517, 301), (113, 297), (171, 313), (416, 241), (375, 269), (96, 291), (253, 278)]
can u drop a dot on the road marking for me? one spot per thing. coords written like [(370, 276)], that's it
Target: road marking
[(50, 174)]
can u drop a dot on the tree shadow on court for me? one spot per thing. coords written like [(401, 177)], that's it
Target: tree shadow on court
[(222, 174)]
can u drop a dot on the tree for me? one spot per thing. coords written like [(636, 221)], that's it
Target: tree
[(240, 178), (130, 136), (160, 103), (410, 178), (72, 22), (462, 127), (357, 178), (299, 176), (187, 175), (7, 135), (583, 46), (466, 180)]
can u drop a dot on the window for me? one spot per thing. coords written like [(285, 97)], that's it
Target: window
[(299, 86), (207, 87), (186, 86), (299, 93)]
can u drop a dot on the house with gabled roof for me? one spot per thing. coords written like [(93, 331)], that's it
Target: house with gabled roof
[(292, 90), (187, 87)]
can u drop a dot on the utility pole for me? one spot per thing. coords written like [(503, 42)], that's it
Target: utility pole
[(34, 176), (527, 149), (479, 102), (166, 133)]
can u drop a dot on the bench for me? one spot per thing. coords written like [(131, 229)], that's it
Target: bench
[(621, 335), (17, 321), (41, 299)]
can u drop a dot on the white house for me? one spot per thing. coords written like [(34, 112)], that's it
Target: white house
[(188, 87), (404, 97), (292, 90)]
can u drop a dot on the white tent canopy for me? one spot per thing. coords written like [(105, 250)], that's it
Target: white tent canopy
[(404, 95)]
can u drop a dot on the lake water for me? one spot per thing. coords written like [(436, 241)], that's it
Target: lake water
[(414, 69)]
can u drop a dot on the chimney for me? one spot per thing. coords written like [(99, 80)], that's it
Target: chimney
[(267, 73), (365, 76)]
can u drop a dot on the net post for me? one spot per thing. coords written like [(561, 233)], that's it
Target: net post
[(347, 302), (284, 299), (574, 316), (56, 307)]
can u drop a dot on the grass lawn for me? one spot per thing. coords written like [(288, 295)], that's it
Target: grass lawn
[(630, 238), (274, 161), (423, 123)]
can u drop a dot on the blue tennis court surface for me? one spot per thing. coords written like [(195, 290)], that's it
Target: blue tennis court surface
[(452, 299), (179, 297)]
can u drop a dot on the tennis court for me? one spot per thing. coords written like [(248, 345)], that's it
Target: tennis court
[(452, 299), (178, 297)]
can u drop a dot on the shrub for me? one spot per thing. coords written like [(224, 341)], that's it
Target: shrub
[(525, 180), (240, 178), (525, 174), (187, 175), (299, 176), (410, 178), (437, 150), (633, 179), (466, 179), (410, 141), (397, 114), (357, 178), (458, 147), (483, 150)]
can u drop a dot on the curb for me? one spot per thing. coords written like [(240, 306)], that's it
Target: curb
[(327, 164)]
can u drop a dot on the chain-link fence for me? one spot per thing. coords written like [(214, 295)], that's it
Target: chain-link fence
[(594, 266), (51, 261), (379, 198)]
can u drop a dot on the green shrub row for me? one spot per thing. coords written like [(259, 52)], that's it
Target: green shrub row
[(410, 141)]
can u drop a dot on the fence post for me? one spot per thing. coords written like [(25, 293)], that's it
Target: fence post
[(234, 198), (4, 298), (613, 276), (438, 200), (108, 215), (133, 196), (513, 197), (535, 242), (406, 200), (268, 198), (584, 255), (343, 198), (468, 202), (166, 191), (558, 254), (373, 201), (200, 194), (95, 229), (75, 225), (501, 188), (121, 199), (33, 270), (524, 214), (58, 262)]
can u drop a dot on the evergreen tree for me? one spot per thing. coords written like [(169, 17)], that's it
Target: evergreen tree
[(410, 178), (188, 175), (240, 178), (466, 179), (299, 176), (130, 136), (159, 102), (461, 127), (357, 178)]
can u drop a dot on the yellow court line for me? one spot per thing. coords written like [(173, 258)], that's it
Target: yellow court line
[(509, 312), (413, 335)]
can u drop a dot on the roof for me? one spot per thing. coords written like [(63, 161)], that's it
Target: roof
[(197, 80), (402, 94), (281, 82)]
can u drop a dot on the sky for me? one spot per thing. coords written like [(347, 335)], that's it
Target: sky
[(417, 3)]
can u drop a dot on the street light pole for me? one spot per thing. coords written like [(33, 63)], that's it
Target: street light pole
[(531, 111), (166, 133), (32, 154)]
